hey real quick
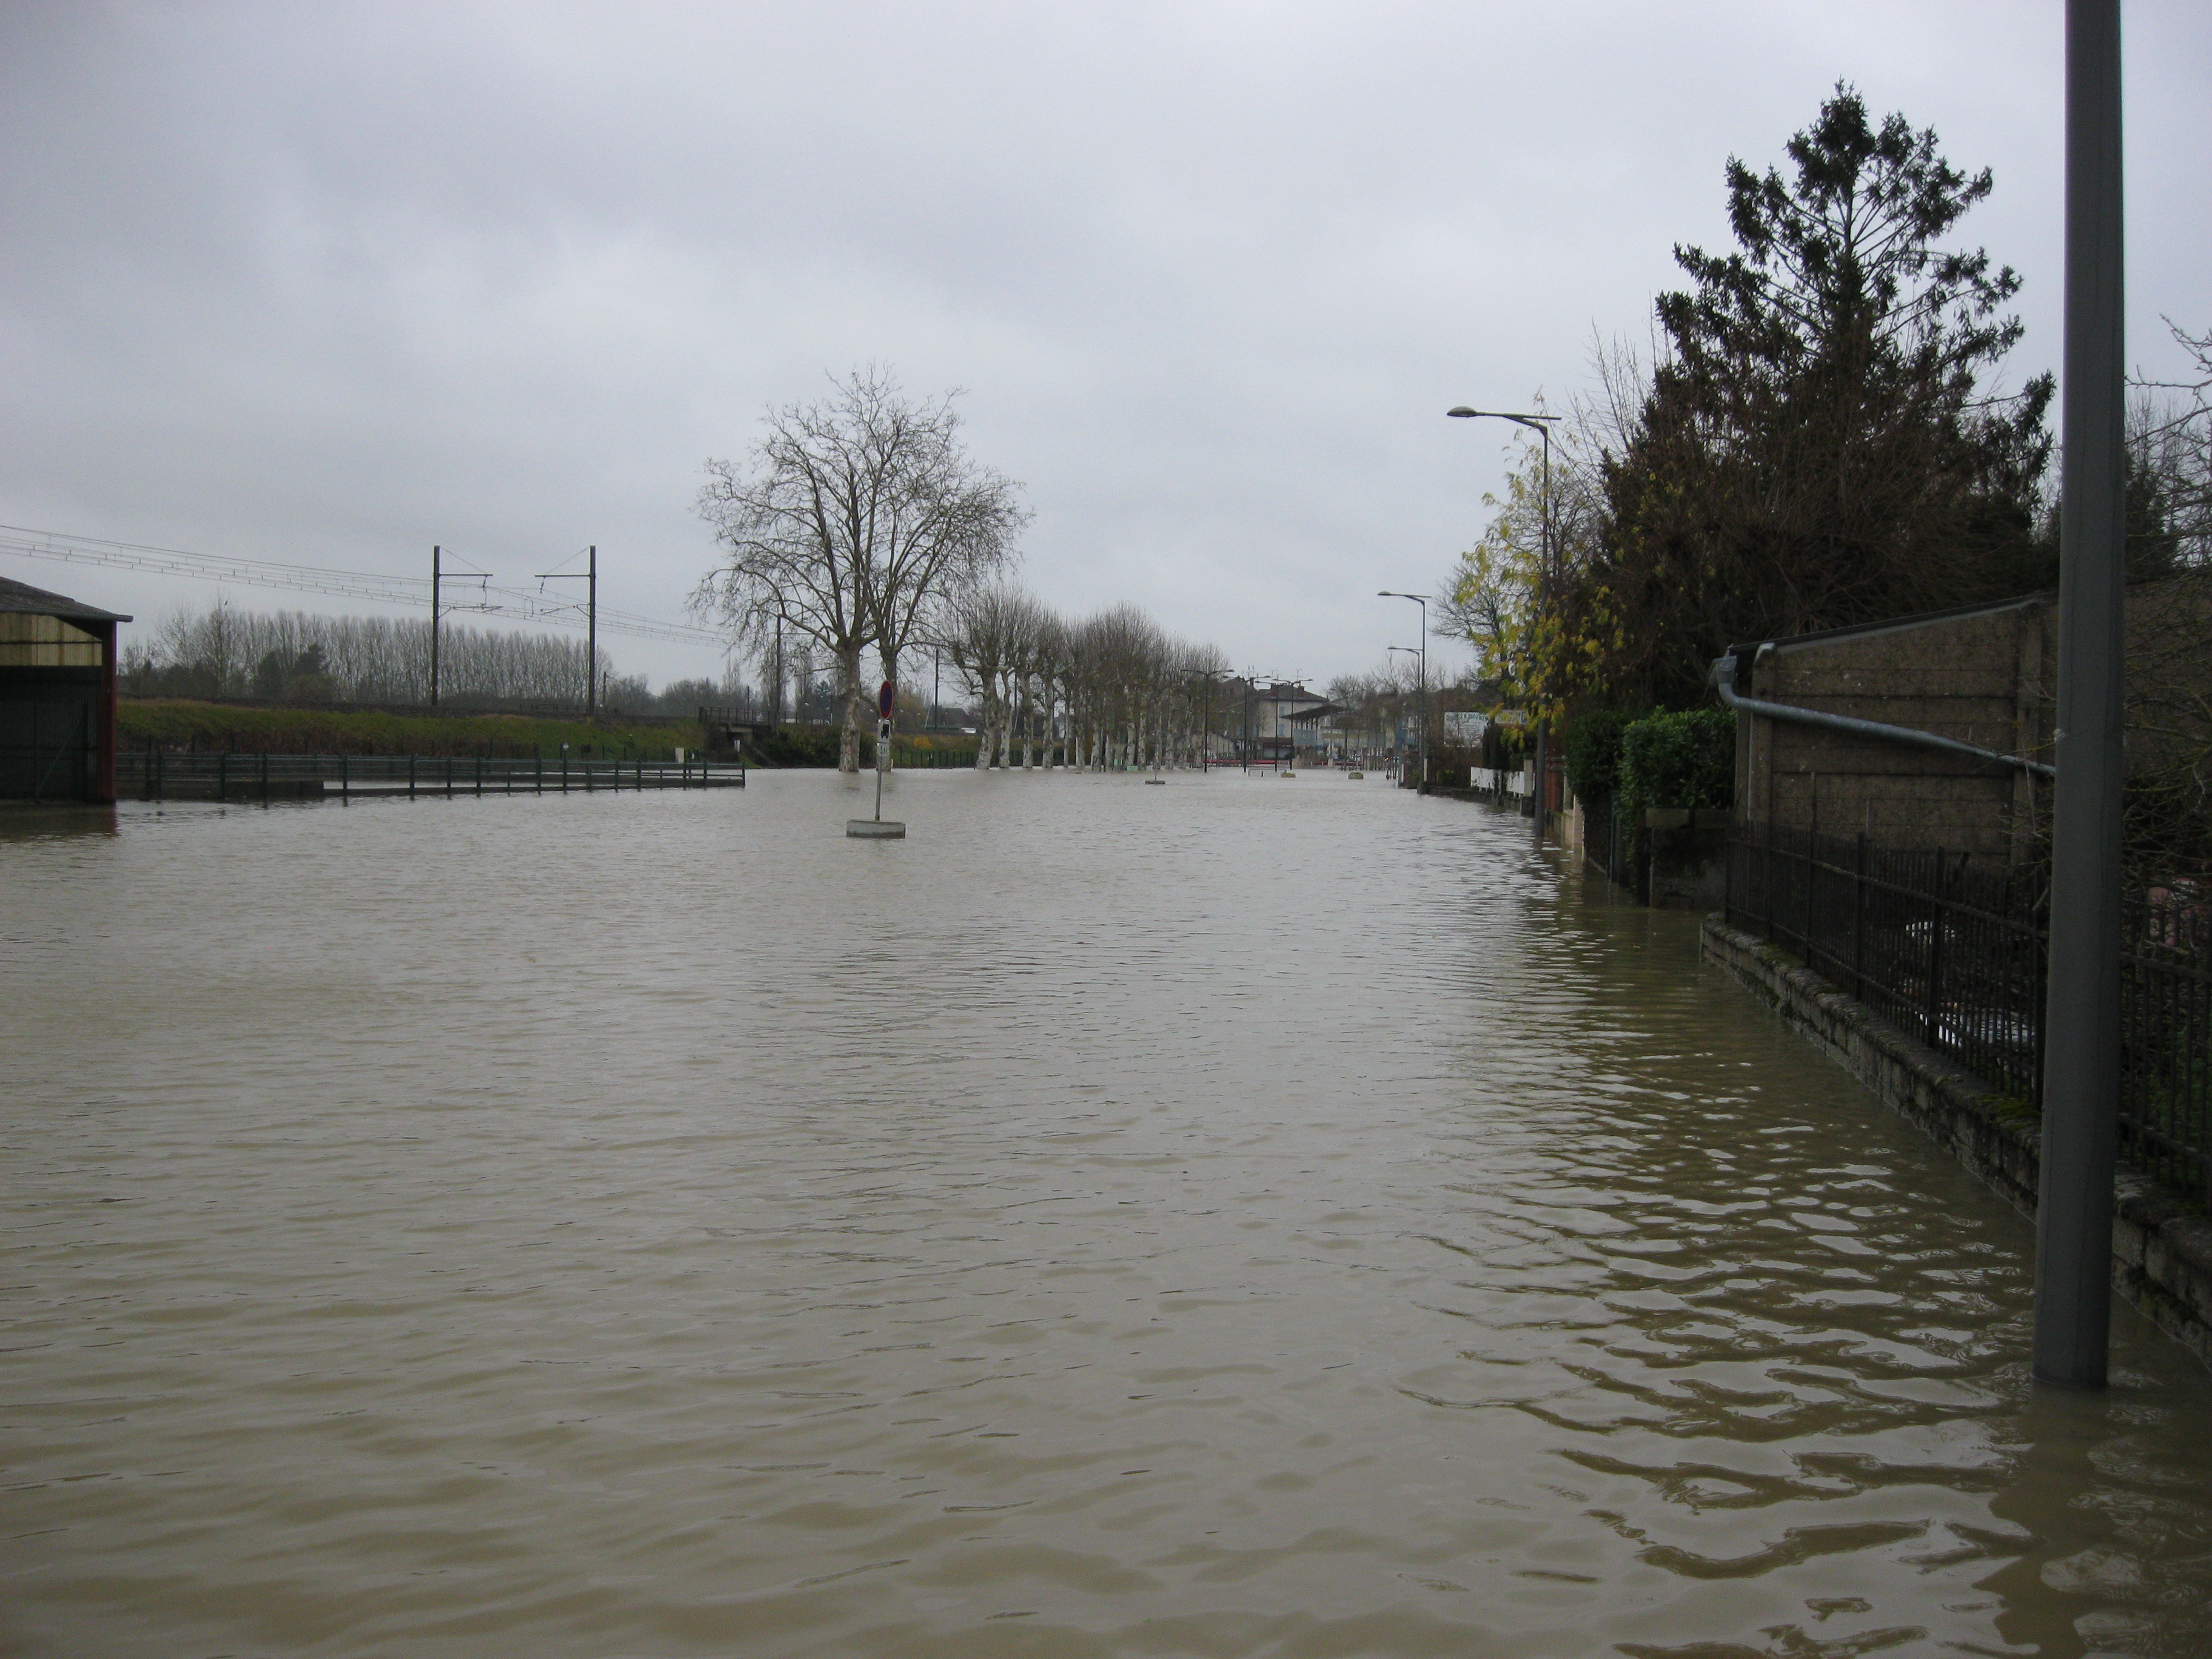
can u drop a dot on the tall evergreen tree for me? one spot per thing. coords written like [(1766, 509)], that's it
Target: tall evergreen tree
[(1820, 444)]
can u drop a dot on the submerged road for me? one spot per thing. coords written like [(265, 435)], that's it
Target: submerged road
[(1241, 1217)]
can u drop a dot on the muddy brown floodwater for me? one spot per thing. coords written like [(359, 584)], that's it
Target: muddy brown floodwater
[(1241, 1217)]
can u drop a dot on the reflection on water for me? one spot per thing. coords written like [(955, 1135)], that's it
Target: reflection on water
[(22, 821), (1241, 1218)]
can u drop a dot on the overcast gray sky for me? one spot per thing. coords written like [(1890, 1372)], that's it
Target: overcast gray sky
[(330, 283)]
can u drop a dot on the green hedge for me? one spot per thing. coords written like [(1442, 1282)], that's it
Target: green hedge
[(795, 745), (817, 746), (213, 727), (1594, 752), (1681, 759)]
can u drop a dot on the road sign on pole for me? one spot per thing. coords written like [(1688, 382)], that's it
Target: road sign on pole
[(877, 828)]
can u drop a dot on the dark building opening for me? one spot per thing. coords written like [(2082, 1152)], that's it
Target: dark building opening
[(57, 696)]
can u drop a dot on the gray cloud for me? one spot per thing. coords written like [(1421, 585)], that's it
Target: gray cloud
[(333, 283)]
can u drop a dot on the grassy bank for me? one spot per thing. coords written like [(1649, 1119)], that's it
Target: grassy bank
[(817, 746), (215, 727)]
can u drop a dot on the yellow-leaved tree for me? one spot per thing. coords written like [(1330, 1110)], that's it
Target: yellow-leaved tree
[(1539, 636)]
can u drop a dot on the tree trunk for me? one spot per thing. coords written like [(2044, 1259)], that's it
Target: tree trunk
[(849, 745)]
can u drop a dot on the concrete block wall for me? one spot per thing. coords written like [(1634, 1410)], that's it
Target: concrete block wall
[(1984, 677)]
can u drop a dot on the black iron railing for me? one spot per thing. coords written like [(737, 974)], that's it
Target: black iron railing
[(159, 775), (1609, 841), (1954, 950)]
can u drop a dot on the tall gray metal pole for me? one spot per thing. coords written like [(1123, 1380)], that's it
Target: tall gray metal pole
[(2082, 1021), (1421, 783), (433, 626), (592, 635), (1543, 601)]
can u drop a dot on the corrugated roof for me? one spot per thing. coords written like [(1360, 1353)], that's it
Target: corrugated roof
[(36, 601)]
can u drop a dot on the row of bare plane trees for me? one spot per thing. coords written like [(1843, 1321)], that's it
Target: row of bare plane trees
[(859, 532), (1107, 692)]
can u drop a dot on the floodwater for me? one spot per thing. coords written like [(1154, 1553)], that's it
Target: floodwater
[(1239, 1217)]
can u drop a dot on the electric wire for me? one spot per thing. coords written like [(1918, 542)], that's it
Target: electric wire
[(514, 603)]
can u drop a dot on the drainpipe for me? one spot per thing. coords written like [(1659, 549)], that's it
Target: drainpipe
[(1723, 678)]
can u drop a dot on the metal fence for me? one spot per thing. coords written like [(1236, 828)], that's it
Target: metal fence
[(157, 774), (1505, 788), (1609, 841), (1956, 950), (909, 756)]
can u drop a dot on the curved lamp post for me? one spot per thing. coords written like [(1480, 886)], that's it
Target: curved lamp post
[(1540, 425), (1387, 593), (1205, 726), (1422, 690)]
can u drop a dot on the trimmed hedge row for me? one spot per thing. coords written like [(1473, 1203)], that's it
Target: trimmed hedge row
[(1686, 758), (213, 727), (1677, 758)]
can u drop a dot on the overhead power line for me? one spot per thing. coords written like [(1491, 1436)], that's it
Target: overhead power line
[(513, 604)]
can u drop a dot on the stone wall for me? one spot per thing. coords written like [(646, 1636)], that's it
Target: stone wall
[(1987, 675), (1984, 677)]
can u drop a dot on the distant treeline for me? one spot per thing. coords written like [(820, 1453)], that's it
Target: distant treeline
[(293, 656)]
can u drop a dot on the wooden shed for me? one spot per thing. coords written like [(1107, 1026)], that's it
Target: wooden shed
[(57, 696)]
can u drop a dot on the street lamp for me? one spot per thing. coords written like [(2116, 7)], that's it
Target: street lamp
[(1422, 704), (1205, 726), (1540, 425), (1386, 593)]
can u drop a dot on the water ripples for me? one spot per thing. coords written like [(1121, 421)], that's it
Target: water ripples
[(1236, 1218)]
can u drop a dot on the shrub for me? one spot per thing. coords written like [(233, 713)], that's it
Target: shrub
[(1682, 759), (1594, 752), (797, 745)]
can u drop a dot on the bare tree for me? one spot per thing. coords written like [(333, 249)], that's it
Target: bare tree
[(1047, 678), (854, 516), (990, 635), (1375, 703), (1203, 667), (2170, 465), (298, 655)]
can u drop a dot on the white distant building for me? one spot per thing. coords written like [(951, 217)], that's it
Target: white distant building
[(1286, 721)]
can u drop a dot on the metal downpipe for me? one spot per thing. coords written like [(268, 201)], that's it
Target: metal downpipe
[(1723, 678)]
